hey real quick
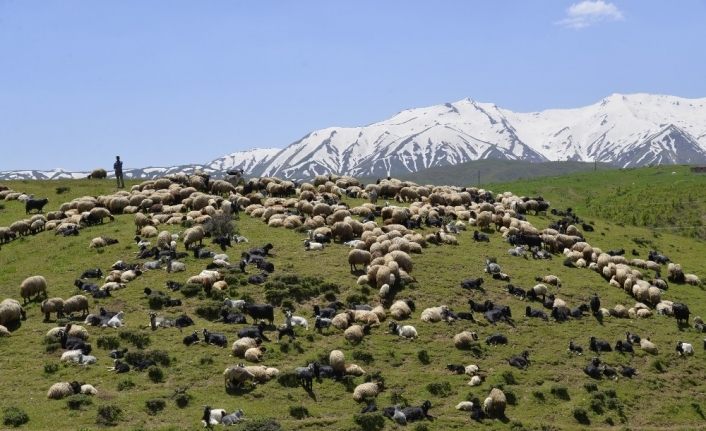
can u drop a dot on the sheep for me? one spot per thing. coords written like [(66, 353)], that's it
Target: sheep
[(401, 309), (494, 405), (435, 314), (692, 279), (496, 339), (233, 418), (241, 345), (531, 312), (193, 235), (52, 305), (354, 334), (358, 257), (295, 320), (599, 345), (71, 356), (115, 321), (684, 349), (254, 354), (76, 303), (60, 390), (354, 370), (465, 339), (648, 346), (366, 391), (214, 338), (311, 245), (34, 285), (475, 381), (549, 279), (237, 375), (406, 331), (4, 332), (337, 361), (465, 406), (262, 373)]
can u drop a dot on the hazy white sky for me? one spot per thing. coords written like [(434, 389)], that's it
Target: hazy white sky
[(173, 82)]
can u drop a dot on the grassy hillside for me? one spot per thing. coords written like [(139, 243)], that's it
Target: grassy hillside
[(665, 198), (492, 171), (668, 393)]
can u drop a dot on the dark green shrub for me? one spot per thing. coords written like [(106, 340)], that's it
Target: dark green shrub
[(135, 338), (158, 356), (51, 368), (423, 357), (206, 360), (125, 385), (108, 342), (154, 406), (561, 392), (267, 424), (217, 295), (52, 347), (298, 412), (508, 378), (156, 302), (510, 396), (539, 396), (209, 312), (291, 286), (590, 387), (220, 224), (76, 402), (231, 280), (109, 415), (181, 398), (156, 374), (396, 397), (288, 380), (370, 421), (421, 427), (439, 389), (658, 365), (191, 290), (581, 416), (597, 406), (364, 357), (356, 298), (14, 416)]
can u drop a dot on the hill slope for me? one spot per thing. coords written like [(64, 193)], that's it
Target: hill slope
[(549, 392)]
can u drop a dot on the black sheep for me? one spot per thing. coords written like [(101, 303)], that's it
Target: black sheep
[(285, 331), (595, 303), (632, 338), (223, 241), (495, 339), (628, 372), (183, 321), (117, 354), (73, 343), (560, 314), (191, 339), (465, 315), (456, 369), (577, 312), (681, 312), (257, 278), (599, 345), (521, 361), (327, 312), (35, 204), (530, 312), (92, 273), (229, 317), (472, 283), (498, 313)]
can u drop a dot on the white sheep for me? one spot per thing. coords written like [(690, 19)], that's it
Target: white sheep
[(60, 390), (4, 332), (242, 345), (254, 354), (475, 381), (33, 285), (116, 321), (366, 391), (648, 346), (337, 361), (10, 311), (494, 405), (400, 310), (87, 389), (76, 303), (435, 314), (465, 406)]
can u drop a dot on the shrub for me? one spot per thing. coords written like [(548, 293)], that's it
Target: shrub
[(191, 290), (658, 365), (76, 402), (539, 396), (220, 224), (109, 415), (288, 380), (61, 190), (156, 302), (439, 389), (158, 356), (396, 397), (209, 312), (108, 342), (206, 360), (156, 374), (51, 368), (364, 357), (421, 427), (590, 387), (370, 421), (597, 406), (154, 406), (298, 412), (293, 287), (581, 416), (14, 416), (181, 398), (125, 385), (136, 339), (52, 347), (561, 392), (508, 378), (267, 424), (423, 357)]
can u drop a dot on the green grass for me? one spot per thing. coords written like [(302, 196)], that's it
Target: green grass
[(670, 398)]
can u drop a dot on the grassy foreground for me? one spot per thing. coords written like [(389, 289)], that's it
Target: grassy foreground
[(668, 393)]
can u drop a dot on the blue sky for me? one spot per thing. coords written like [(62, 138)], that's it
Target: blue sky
[(171, 82)]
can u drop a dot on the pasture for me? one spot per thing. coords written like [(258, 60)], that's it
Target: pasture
[(668, 393)]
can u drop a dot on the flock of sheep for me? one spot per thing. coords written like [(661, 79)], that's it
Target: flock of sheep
[(382, 239)]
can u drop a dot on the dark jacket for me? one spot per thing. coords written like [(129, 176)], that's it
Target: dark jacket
[(118, 166)]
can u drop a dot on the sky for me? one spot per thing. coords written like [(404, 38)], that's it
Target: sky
[(174, 82)]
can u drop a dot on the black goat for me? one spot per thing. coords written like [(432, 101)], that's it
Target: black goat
[(517, 291), (117, 354), (472, 283), (599, 345), (499, 313), (628, 372), (624, 347), (595, 302), (253, 331), (229, 317), (496, 339), (191, 339), (183, 321), (531, 312), (260, 311), (214, 338), (575, 348), (418, 413), (521, 361), (480, 237), (593, 369), (92, 273), (482, 307)]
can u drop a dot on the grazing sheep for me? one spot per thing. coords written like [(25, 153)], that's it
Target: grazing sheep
[(34, 285), (494, 405), (60, 390), (52, 305), (366, 391), (76, 303), (358, 257), (692, 279)]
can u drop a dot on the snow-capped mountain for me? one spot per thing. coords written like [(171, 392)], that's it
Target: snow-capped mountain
[(625, 130)]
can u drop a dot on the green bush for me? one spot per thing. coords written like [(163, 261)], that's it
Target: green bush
[(156, 374), (181, 398), (76, 402), (508, 378), (109, 415), (209, 311), (135, 338), (298, 412), (421, 427), (423, 357), (590, 387), (154, 406), (206, 360), (290, 286), (439, 389), (364, 357), (561, 392), (108, 342), (581, 416), (52, 347), (160, 357), (267, 424), (191, 290), (156, 302), (539, 396), (51, 368), (370, 421), (288, 380), (14, 416), (125, 385)]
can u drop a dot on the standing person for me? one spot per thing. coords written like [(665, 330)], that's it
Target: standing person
[(118, 166)]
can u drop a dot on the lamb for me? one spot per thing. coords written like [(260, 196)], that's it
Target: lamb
[(295, 320), (322, 322), (34, 285), (480, 237), (358, 257), (191, 339), (175, 266), (366, 391), (465, 339), (306, 375), (406, 331), (684, 349), (465, 406), (494, 405), (52, 305), (115, 321), (87, 389), (4, 332), (311, 245), (233, 418), (60, 390)]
